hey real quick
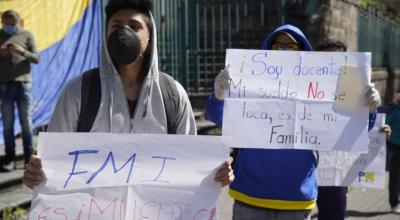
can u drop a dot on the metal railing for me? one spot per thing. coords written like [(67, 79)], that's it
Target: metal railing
[(381, 36), (194, 34)]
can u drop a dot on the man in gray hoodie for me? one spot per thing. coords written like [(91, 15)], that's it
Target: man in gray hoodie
[(131, 95)]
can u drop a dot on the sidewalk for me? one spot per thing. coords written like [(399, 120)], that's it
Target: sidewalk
[(369, 204)]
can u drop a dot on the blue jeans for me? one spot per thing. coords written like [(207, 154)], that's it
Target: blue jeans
[(19, 94), (243, 211)]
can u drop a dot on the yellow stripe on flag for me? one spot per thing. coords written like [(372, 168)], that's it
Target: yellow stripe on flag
[(48, 20)]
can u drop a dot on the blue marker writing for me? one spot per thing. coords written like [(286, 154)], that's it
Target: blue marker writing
[(76, 154), (156, 179), (111, 157)]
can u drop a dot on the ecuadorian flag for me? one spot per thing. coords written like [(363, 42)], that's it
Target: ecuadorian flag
[(68, 35)]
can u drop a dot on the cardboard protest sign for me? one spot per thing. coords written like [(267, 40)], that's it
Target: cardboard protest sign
[(126, 176), (300, 100), (355, 169)]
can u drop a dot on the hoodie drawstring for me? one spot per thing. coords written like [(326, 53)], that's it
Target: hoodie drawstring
[(111, 110)]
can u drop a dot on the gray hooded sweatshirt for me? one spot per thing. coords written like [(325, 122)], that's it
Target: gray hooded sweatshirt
[(113, 115)]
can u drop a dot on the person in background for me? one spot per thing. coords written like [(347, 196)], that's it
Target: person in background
[(17, 52), (393, 147), (272, 184), (332, 200)]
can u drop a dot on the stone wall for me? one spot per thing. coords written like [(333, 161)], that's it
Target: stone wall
[(379, 77), (388, 84), (336, 19), (396, 86)]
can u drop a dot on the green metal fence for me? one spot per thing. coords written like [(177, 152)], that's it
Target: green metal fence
[(194, 35), (381, 36), (170, 17)]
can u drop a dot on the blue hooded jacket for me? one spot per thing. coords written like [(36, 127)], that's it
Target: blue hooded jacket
[(292, 30), (274, 179)]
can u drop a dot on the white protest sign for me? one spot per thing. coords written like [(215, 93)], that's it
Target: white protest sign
[(126, 176), (354, 169), (352, 84), (281, 99), (291, 124)]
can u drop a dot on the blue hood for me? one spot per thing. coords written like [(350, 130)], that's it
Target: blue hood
[(292, 30)]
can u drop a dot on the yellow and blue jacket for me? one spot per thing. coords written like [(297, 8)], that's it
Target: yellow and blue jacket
[(281, 179), (273, 179)]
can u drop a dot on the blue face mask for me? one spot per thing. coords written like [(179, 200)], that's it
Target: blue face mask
[(10, 29)]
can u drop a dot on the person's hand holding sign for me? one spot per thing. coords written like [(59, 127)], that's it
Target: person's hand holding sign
[(372, 97), (225, 173), (33, 174), (221, 83), (386, 129)]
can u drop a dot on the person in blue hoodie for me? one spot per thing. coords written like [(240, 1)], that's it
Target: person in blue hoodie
[(272, 184)]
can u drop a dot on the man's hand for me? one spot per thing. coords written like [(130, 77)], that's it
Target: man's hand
[(33, 174), (225, 173), (221, 83), (386, 129), (4, 50), (16, 48)]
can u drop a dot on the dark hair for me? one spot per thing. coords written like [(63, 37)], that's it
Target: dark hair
[(142, 6), (11, 14), (332, 43)]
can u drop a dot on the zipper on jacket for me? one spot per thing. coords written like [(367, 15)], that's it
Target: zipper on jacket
[(127, 106)]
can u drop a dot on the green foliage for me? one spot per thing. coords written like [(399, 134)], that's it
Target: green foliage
[(390, 8), (10, 213), (386, 3)]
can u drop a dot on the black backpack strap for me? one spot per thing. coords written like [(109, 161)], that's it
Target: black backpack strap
[(89, 106), (170, 95), (234, 154), (316, 156)]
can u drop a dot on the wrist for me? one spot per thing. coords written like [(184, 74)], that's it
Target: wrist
[(218, 96), (22, 53)]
